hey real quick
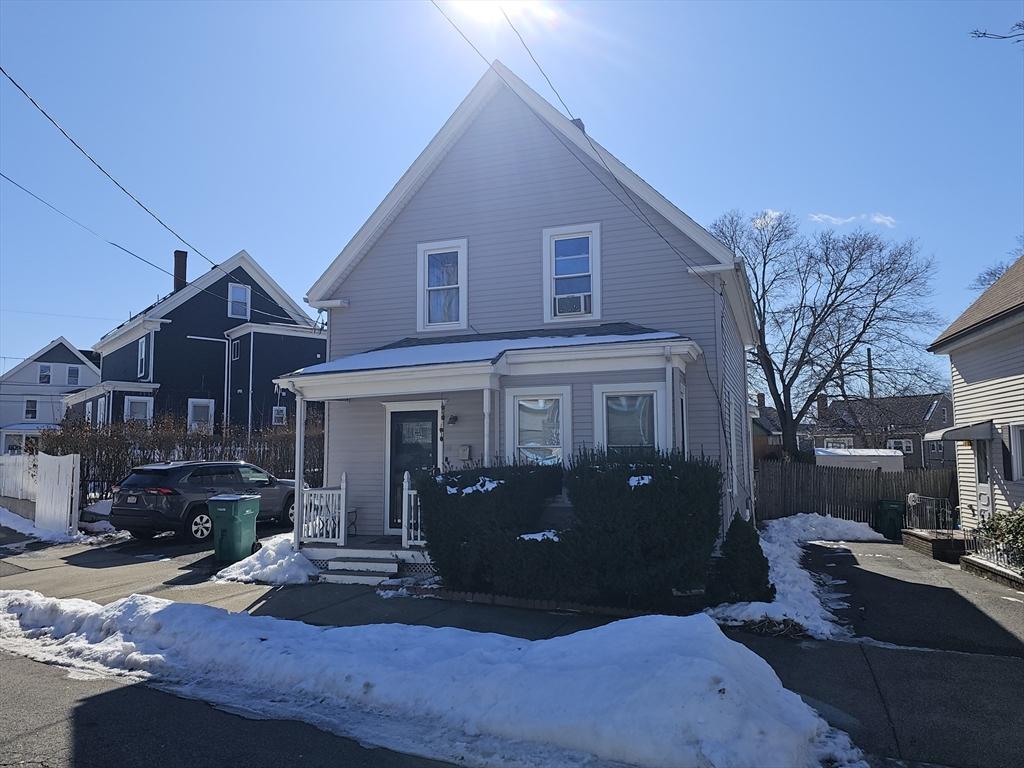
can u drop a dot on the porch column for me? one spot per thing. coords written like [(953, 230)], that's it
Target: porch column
[(487, 427), (300, 445)]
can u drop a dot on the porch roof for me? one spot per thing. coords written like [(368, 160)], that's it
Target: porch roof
[(985, 430)]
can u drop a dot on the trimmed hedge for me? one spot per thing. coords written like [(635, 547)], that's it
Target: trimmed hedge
[(632, 542), (741, 574)]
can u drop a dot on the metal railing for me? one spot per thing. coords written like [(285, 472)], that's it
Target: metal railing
[(324, 518), (928, 513), (412, 518), (996, 552)]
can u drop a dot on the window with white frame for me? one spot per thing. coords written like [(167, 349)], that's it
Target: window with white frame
[(101, 411), (933, 446), (235, 349), (441, 300), (1017, 451), (278, 415), (88, 413), (572, 272), (238, 301), (140, 368), (137, 408), (839, 442), (200, 414), (538, 425), (629, 416), (44, 373), (945, 415), (73, 374), (900, 444), (31, 409)]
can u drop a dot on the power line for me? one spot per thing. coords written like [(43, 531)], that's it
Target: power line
[(118, 184), (122, 248)]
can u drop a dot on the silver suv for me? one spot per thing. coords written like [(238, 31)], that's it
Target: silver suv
[(172, 496)]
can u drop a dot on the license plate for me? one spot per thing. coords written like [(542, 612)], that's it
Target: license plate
[(131, 500)]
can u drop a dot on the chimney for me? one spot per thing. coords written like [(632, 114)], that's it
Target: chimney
[(822, 405), (579, 124), (760, 399), (180, 270)]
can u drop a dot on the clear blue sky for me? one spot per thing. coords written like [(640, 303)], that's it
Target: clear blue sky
[(279, 127)]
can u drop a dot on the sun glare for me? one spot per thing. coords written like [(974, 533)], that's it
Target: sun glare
[(489, 11)]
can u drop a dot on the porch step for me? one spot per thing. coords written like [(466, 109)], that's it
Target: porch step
[(382, 565), (339, 576)]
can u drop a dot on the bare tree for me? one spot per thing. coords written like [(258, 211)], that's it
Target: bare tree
[(821, 301), (991, 273), (1015, 35)]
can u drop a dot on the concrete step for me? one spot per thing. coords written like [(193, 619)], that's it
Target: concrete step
[(382, 565), (352, 577)]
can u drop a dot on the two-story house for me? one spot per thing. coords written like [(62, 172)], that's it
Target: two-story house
[(899, 423), (206, 353), (520, 293), (986, 356), (32, 392)]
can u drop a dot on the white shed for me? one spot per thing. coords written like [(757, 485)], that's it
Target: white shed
[(886, 459)]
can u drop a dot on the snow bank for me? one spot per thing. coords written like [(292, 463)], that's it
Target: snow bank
[(275, 563), (650, 691), (540, 536), (798, 595), (18, 523)]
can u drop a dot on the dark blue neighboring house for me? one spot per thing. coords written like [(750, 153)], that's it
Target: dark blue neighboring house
[(206, 353)]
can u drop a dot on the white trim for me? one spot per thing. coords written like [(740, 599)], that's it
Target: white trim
[(549, 235), (408, 405), (49, 373), (104, 387), (423, 250), (1017, 451), (129, 399), (88, 412), (236, 352), (903, 443), (564, 412), (207, 401), (662, 413), (489, 84), (132, 331), (141, 356), (274, 410), (252, 342), (24, 409), (67, 375), (274, 329), (33, 358), (248, 301)]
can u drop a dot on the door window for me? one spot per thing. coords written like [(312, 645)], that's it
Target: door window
[(413, 447), (981, 461)]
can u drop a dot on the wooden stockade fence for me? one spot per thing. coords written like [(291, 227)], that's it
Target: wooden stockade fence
[(789, 488)]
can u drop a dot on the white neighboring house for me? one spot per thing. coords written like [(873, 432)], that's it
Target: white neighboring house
[(32, 392)]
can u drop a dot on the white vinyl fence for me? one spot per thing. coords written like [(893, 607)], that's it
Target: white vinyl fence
[(50, 481)]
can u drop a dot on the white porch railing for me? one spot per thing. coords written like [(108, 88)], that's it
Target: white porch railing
[(324, 519), (412, 520)]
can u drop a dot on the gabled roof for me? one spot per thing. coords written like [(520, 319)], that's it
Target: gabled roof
[(1005, 297), (56, 342), (159, 309), (496, 77), (901, 412)]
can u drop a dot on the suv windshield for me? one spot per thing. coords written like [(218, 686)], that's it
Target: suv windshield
[(144, 478)]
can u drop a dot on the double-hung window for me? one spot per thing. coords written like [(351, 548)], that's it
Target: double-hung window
[(31, 410), (278, 415), (630, 416), (200, 414), (901, 444), (839, 442), (137, 408), (44, 373), (572, 272), (238, 301), (537, 425), (73, 372), (235, 353), (141, 361), (441, 285)]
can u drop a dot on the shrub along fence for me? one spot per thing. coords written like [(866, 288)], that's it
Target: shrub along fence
[(110, 451), (789, 488)]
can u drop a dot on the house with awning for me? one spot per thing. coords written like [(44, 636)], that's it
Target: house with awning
[(985, 346)]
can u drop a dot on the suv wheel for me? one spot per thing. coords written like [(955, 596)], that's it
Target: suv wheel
[(199, 525), (288, 513)]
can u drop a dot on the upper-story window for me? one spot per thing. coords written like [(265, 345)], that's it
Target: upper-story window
[(900, 444), (238, 301), (572, 272), (31, 410), (441, 285), (73, 375), (44, 373), (141, 358)]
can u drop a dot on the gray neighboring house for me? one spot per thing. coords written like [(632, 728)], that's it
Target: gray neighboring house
[(986, 356), (505, 300), (898, 423)]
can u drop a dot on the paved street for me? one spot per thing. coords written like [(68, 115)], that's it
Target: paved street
[(897, 702)]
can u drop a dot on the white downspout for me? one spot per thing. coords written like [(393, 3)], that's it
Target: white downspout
[(487, 427), (300, 444), (252, 337), (670, 406)]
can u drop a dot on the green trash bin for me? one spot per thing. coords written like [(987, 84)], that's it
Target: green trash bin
[(889, 518), (234, 526)]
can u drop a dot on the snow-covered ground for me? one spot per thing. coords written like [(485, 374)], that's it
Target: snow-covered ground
[(799, 596), (650, 691), (276, 562), (95, 533)]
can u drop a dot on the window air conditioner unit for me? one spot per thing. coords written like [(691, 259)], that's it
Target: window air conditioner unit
[(572, 304)]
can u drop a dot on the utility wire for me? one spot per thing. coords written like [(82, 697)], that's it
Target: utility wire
[(119, 185), (121, 247)]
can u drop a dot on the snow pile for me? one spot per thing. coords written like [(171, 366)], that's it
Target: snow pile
[(540, 536), (798, 595), (24, 526), (483, 485), (101, 507), (275, 563), (638, 480), (650, 691)]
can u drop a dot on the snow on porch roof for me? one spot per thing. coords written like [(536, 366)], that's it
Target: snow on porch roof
[(484, 347)]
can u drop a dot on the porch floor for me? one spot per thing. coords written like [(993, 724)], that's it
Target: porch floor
[(373, 542)]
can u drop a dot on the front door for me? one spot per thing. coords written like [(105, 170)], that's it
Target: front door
[(413, 446)]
